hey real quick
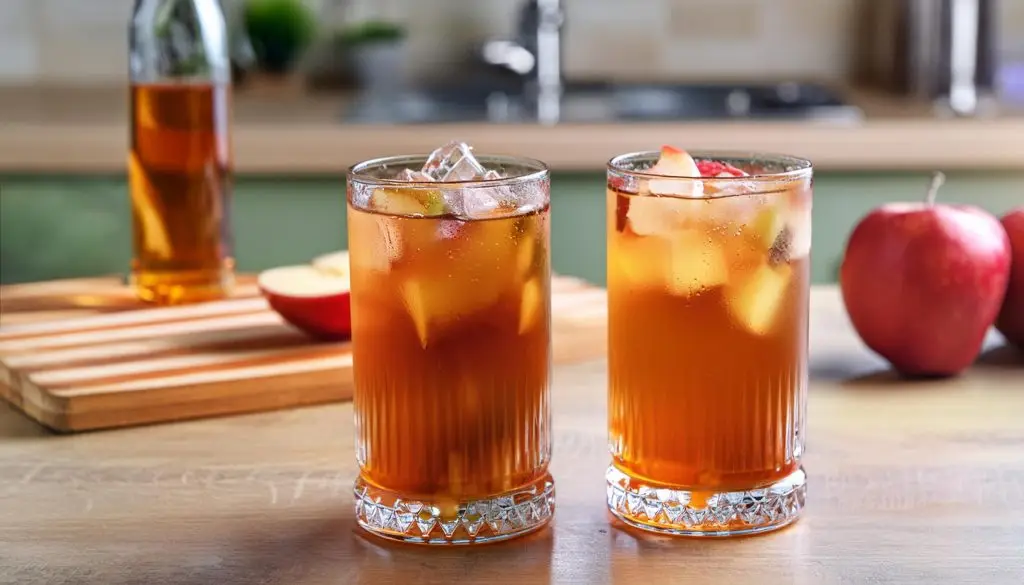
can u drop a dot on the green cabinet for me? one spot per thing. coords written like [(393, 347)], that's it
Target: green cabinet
[(65, 226)]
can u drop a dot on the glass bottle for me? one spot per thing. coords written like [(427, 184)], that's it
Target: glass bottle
[(179, 164)]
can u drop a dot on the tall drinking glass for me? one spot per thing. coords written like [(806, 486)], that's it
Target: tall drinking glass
[(451, 350), (708, 285)]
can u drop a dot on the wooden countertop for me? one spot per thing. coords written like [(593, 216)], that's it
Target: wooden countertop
[(909, 483), (84, 130)]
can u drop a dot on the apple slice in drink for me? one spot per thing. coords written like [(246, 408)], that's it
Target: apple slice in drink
[(754, 299), (674, 162), (411, 201), (662, 204), (479, 266), (698, 262), (526, 252), (768, 225), (530, 305), (638, 261)]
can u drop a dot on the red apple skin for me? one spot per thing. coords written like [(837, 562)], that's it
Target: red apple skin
[(923, 283), (328, 318), (1011, 318)]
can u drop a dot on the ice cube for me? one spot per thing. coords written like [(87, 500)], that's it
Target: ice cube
[(512, 198), (413, 176), (651, 215), (698, 262), (453, 202), (675, 187), (361, 194), (731, 187), (755, 299), (449, 229), (453, 162), (740, 209), (800, 227), (480, 202)]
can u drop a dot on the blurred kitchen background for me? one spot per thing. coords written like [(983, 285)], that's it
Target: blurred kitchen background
[(876, 92)]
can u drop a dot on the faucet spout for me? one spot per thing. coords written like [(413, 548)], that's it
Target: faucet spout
[(549, 45)]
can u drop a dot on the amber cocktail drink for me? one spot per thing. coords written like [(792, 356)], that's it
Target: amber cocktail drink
[(451, 346), (708, 276)]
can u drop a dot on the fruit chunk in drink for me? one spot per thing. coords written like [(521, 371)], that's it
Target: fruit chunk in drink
[(451, 349), (708, 276)]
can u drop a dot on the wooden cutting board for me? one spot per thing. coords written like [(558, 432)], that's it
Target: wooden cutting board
[(82, 354)]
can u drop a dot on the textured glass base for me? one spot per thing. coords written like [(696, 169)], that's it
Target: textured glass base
[(500, 517), (672, 511)]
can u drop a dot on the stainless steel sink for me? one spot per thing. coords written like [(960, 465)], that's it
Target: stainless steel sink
[(600, 102)]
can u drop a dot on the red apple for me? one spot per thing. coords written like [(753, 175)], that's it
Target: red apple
[(1011, 319), (923, 282), (314, 301)]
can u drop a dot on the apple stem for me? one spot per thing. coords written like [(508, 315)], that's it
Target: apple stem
[(938, 179)]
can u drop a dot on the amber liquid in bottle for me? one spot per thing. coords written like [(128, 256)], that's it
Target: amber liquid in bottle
[(180, 187)]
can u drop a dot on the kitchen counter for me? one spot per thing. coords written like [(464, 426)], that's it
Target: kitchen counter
[(909, 483), (84, 130)]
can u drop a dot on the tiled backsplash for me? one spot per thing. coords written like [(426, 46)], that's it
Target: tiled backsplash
[(84, 41)]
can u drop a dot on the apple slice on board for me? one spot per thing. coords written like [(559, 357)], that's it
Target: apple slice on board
[(312, 300), (335, 263)]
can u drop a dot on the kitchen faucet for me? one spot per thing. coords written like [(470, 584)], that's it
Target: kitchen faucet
[(535, 55), (548, 38)]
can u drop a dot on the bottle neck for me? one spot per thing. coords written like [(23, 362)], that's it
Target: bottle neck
[(179, 40)]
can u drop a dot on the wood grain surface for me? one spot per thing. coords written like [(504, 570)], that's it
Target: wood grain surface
[(134, 365), (909, 483)]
